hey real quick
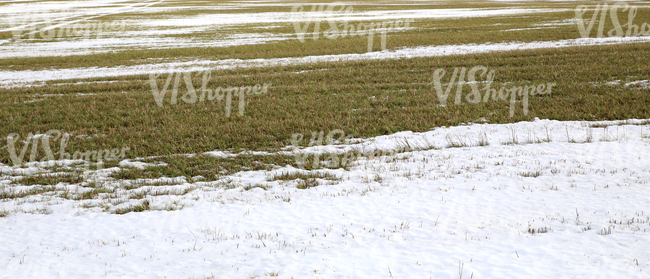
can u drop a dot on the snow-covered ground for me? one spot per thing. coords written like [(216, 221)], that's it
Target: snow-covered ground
[(149, 30), (29, 22), (545, 199), (417, 214), (10, 79)]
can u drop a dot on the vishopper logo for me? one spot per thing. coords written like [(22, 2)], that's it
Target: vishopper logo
[(55, 135), (204, 93), (503, 93), (46, 26), (603, 10), (346, 29)]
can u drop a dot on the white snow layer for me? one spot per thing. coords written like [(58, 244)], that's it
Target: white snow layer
[(418, 214), (28, 77), (20, 17)]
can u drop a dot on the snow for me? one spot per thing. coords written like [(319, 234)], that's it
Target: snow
[(149, 30), (25, 78), (417, 214), (433, 212), (643, 84), (284, 17), (139, 165), (639, 83), (110, 44)]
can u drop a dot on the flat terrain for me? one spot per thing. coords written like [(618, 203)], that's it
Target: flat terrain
[(351, 155)]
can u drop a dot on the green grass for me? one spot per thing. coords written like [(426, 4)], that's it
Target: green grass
[(6, 195), (142, 206), (338, 97), (89, 195), (309, 183), (210, 167), (364, 99), (303, 176), (445, 31), (305, 180), (46, 179)]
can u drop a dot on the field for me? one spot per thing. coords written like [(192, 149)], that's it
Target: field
[(304, 139)]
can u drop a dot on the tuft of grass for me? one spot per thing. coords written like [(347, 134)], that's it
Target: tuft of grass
[(405, 146), (137, 195), (175, 205), (605, 231), (209, 167), (455, 142), (538, 230), (257, 185), (309, 183), (49, 179), (329, 160), (304, 176), (89, 195), (599, 125), (144, 205), (626, 122), (530, 174), (8, 194), (512, 140), (483, 140)]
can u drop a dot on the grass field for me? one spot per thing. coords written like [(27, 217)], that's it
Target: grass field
[(396, 95), (69, 87)]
